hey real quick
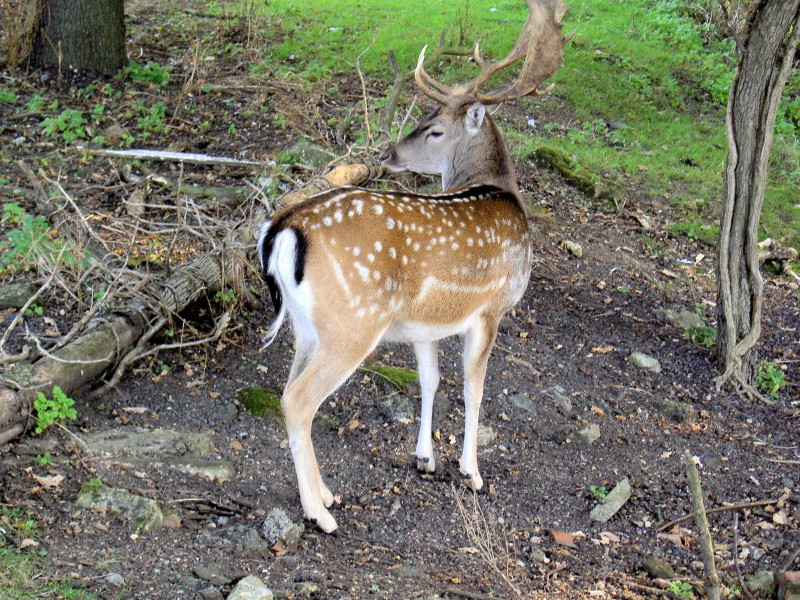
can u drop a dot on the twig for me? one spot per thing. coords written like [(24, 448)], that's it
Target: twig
[(454, 591), (650, 590), (742, 585), (706, 543), (741, 506)]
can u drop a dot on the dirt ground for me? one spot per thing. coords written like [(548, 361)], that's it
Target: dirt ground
[(562, 361)]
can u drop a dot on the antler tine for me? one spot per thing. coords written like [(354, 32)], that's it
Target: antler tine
[(427, 84), (542, 45)]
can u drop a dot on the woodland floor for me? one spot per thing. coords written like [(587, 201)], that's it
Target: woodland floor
[(401, 535)]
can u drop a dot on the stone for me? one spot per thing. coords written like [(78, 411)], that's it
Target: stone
[(143, 511), (15, 295), (522, 402), (279, 528), (646, 362), (247, 537), (762, 582), (615, 500), (171, 521), (682, 319), (136, 441), (558, 398), (211, 593), (789, 585), (398, 407), (657, 568), (250, 588), (115, 579), (679, 412), (212, 575), (586, 435), (485, 435), (409, 572), (313, 155)]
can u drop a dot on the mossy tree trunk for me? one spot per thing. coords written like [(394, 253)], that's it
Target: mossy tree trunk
[(767, 56), (80, 34)]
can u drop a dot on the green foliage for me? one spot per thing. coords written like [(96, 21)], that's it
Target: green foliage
[(681, 589), (153, 120), (71, 124), (226, 296), (92, 487), (44, 460), (770, 378), (35, 104), (260, 402), (598, 491), (398, 378), (32, 241), (52, 410), (7, 96), (701, 334), (150, 73)]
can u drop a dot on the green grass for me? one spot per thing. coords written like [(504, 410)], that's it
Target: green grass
[(643, 63)]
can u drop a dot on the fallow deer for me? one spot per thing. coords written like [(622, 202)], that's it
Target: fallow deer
[(353, 267)]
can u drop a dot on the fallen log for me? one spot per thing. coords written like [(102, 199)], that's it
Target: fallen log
[(109, 337)]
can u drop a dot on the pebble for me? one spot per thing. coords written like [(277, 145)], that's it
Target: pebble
[(646, 362), (587, 435), (115, 579), (615, 500), (251, 588)]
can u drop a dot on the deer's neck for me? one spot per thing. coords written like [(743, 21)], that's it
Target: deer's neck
[(484, 160)]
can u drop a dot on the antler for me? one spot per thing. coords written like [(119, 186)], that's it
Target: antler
[(541, 43)]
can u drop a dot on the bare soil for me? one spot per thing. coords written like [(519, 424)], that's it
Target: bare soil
[(401, 535)]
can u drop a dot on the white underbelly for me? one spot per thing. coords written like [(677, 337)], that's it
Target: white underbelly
[(414, 332)]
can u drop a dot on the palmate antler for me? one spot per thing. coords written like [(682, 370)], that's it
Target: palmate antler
[(541, 43)]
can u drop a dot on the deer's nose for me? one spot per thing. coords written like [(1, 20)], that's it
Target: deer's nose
[(387, 154)]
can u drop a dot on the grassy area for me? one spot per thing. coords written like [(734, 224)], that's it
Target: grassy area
[(657, 75)]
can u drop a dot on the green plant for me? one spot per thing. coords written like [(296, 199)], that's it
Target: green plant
[(44, 460), (226, 296), (735, 591), (35, 104), (71, 124), (260, 402), (151, 73), (52, 410), (681, 589), (770, 378), (701, 334), (397, 377), (153, 120), (92, 487), (598, 491), (7, 96)]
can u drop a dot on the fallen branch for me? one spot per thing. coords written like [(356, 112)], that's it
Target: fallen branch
[(706, 543), (184, 157), (741, 506)]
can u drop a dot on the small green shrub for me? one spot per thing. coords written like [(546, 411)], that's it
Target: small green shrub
[(397, 377), (701, 334), (150, 73), (153, 120), (7, 96), (51, 410), (71, 124), (226, 296), (598, 491), (770, 378), (681, 589)]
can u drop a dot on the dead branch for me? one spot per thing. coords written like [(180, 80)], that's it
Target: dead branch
[(742, 506), (706, 543), (184, 157), (342, 175)]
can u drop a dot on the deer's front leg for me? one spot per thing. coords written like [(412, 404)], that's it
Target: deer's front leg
[(428, 364), (477, 347)]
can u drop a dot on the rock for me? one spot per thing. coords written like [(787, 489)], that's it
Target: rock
[(171, 521), (441, 407), (522, 402), (679, 412), (762, 582), (226, 412), (657, 568), (586, 435), (306, 588), (247, 537), (306, 151), (15, 295), (682, 319), (409, 572), (398, 407), (211, 593), (135, 441), (789, 585), (613, 502), (115, 579), (485, 435), (646, 362), (279, 528), (558, 397), (250, 588), (212, 575), (143, 511)]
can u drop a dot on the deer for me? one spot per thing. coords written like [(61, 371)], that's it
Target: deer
[(354, 267)]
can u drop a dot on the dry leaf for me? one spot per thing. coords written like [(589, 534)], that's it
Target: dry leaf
[(598, 411), (28, 543), (603, 349), (780, 518), (454, 580), (563, 538), (352, 425), (49, 482), (137, 410), (672, 538), (451, 439), (237, 445)]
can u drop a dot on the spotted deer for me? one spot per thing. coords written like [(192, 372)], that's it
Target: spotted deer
[(353, 267)]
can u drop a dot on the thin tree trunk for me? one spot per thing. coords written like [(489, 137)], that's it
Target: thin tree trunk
[(770, 42), (81, 34)]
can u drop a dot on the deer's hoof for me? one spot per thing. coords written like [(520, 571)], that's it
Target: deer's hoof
[(426, 464), (473, 481), (323, 521)]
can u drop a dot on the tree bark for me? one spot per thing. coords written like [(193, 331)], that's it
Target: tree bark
[(81, 34), (769, 45)]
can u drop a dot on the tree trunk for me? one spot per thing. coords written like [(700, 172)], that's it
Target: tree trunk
[(769, 45), (81, 34)]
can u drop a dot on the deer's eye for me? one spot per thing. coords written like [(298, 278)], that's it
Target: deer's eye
[(434, 135)]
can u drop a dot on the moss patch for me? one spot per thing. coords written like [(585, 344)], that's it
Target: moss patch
[(260, 402), (574, 174), (397, 378)]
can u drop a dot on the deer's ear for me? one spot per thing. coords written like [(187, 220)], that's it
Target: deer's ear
[(474, 117)]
